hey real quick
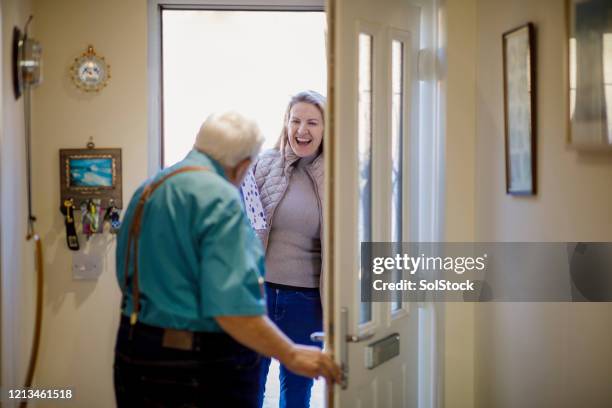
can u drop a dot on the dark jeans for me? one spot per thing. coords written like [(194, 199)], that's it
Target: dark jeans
[(219, 372), (297, 312)]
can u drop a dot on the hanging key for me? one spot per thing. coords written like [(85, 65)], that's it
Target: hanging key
[(71, 235)]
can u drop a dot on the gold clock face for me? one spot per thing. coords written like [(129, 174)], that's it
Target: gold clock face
[(90, 72)]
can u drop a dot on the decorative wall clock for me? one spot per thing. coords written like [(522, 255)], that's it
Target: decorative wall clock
[(90, 72)]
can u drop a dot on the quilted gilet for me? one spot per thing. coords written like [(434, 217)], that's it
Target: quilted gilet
[(272, 174)]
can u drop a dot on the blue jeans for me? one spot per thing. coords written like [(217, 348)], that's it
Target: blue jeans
[(297, 313)]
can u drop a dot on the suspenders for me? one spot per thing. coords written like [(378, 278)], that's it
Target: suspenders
[(134, 235)]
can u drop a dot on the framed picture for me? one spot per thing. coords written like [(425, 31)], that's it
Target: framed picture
[(519, 110), (590, 74), (91, 173)]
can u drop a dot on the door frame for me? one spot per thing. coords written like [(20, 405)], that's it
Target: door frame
[(154, 55), (432, 197), (8, 347)]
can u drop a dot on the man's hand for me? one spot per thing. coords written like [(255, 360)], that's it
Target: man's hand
[(261, 335), (312, 362)]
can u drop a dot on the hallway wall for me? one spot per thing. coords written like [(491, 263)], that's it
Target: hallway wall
[(538, 355), (17, 269), (460, 191), (81, 317)]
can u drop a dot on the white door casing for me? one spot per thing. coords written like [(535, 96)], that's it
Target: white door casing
[(395, 382)]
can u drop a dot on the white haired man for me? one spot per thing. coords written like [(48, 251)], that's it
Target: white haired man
[(190, 267)]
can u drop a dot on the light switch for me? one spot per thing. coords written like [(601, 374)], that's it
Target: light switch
[(86, 266)]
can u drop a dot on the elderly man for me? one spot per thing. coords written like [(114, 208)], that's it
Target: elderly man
[(193, 321)]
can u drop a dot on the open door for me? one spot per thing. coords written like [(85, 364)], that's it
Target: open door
[(372, 127)]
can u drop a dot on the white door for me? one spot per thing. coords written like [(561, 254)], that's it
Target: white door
[(372, 127)]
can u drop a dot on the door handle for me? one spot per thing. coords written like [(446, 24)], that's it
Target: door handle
[(317, 337), (349, 338), (356, 339)]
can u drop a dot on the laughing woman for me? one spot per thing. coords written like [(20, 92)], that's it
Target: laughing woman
[(290, 182)]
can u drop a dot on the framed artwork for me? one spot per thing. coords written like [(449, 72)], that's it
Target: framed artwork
[(519, 110), (91, 173), (590, 74)]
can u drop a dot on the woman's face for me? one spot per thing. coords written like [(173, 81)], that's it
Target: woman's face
[(305, 129)]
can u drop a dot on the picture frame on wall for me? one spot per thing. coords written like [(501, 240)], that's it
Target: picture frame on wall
[(589, 82), (519, 109), (91, 173)]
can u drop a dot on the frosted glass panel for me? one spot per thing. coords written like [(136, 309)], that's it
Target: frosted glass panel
[(365, 151), (397, 176)]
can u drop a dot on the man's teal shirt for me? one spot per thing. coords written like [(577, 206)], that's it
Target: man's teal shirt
[(198, 257)]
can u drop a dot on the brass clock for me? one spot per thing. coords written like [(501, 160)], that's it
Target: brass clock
[(89, 71)]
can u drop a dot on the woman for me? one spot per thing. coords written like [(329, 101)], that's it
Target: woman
[(290, 182)]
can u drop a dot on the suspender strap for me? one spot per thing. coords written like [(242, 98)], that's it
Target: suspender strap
[(134, 235)]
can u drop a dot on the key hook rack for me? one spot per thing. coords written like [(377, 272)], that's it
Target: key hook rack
[(90, 190)]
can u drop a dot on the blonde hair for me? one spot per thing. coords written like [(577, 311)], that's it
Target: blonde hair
[(229, 138), (311, 97)]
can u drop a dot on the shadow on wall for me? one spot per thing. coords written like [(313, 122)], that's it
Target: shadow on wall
[(59, 285)]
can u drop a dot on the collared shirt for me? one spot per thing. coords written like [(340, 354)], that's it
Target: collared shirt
[(198, 256)]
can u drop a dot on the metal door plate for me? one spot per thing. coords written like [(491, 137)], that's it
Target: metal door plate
[(382, 350)]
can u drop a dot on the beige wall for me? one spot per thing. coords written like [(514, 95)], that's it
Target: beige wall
[(538, 355), (574, 198), (460, 179), (80, 317), (17, 255)]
